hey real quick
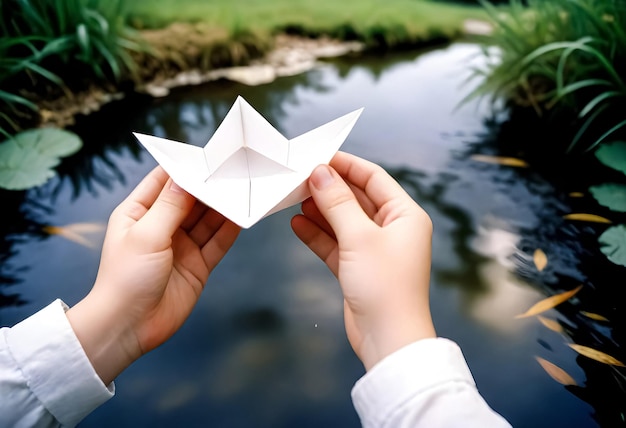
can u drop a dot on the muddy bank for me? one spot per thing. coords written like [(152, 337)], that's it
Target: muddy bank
[(168, 68), (189, 54), (290, 55)]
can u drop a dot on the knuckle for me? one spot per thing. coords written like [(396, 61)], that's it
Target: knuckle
[(340, 198)]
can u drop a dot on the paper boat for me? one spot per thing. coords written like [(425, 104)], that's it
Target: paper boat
[(248, 170)]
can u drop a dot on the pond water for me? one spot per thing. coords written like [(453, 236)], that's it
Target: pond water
[(265, 346)]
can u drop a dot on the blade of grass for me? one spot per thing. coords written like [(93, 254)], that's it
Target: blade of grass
[(607, 134)]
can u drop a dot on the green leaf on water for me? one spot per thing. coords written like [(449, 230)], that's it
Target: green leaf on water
[(613, 155), (27, 159), (610, 195), (613, 244)]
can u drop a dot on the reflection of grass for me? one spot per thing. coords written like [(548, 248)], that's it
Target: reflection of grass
[(392, 23)]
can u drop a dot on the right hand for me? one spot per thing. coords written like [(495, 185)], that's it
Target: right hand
[(377, 242)]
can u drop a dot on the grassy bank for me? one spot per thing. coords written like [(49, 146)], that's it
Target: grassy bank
[(561, 67), (388, 24), (53, 50), (199, 34), (566, 60), (59, 58)]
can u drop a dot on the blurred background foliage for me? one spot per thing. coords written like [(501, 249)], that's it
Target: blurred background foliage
[(560, 66), (53, 47), (564, 59)]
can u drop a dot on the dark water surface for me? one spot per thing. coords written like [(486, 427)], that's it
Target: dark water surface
[(265, 346)]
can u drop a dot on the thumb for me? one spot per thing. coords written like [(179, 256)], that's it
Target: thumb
[(166, 214), (336, 201)]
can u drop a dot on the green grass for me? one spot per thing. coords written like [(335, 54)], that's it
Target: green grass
[(62, 33), (565, 60), (55, 46), (389, 23)]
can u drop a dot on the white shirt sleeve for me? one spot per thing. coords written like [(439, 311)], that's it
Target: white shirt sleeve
[(425, 384), (46, 379)]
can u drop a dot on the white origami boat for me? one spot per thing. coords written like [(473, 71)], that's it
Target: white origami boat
[(248, 170)]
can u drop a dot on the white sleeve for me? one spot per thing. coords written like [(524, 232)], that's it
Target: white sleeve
[(424, 384), (46, 379)]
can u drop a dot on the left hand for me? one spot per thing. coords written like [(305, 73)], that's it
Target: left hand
[(160, 247)]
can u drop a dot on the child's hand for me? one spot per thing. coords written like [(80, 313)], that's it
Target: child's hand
[(377, 242), (160, 247)]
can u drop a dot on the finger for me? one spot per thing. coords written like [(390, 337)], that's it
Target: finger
[(377, 184), (366, 203), (221, 241), (337, 203), (165, 215), (147, 191), (139, 201), (206, 227), (314, 237), (198, 210), (310, 211)]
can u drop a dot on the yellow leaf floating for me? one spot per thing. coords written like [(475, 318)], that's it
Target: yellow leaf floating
[(85, 227), (500, 160), (576, 194), (551, 324), (74, 232), (594, 354), (540, 259), (593, 316), (556, 373), (586, 217), (608, 18), (549, 303)]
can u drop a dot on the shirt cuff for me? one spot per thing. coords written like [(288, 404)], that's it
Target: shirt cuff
[(408, 372), (55, 365)]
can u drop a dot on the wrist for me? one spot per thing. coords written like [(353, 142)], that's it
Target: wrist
[(392, 333), (109, 344)]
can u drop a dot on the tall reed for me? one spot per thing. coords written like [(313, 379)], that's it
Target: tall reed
[(48, 44), (563, 58)]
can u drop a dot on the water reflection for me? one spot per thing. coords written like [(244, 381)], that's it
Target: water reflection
[(21, 222), (92, 170), (574, 259), (192, 116), (265, 345), (185, 116), (524, 212)]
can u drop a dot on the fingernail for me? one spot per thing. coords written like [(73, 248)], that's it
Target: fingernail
[(176, 188), (322, 177)]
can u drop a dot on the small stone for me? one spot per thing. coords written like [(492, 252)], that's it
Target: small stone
[(157, 91), (476, 27), (251, 75)]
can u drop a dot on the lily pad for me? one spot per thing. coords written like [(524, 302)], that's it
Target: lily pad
[(28, 159), (610, 195), (613, 244), (613, 155)]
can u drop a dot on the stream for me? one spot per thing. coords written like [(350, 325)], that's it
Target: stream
[(265, 345)]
